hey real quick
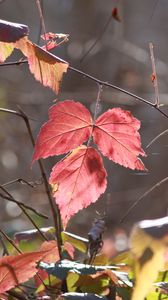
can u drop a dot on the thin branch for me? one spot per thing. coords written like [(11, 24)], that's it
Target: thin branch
[(18, 180), (10, 241), (95, 112), (32, 184), (154, 75), (54, 208), (24, 206), (40, 10), (157, 137), (17, 295), (14, 63), (98, 39), (40, 25), (100, 90), (158, 184), (103, 83), (24, 211), (5, 250)]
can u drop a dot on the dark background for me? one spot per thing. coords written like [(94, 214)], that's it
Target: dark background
[(120, 57)]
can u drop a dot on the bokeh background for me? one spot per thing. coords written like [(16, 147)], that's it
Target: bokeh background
[(120, 57)]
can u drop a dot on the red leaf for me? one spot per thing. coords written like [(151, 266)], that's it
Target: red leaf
[(69, 125), (116, 134), (78, 181), (50, 36), (52, 253), (46, 68), (115, 14), (50, 45), (18, 269), (12, 32)]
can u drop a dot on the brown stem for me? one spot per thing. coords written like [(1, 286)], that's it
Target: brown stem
[(10, 241), (103, 83), (17, 295), (54, 208), (154, 75), (5, 250), (23, 205), (19, 180)]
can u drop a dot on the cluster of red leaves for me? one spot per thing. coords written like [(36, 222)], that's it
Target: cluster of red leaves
[(80, 178), (16, 269)]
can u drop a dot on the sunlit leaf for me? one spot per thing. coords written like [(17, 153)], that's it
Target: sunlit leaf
[(149, 242), (78, 242), (78, 181), (46, 68), (116, 134), (68, 127), (18, 269)]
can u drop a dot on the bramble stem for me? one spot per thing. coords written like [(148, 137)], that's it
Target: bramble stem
[(103, 83), (54, 208)]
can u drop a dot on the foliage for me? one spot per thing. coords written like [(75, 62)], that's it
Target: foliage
[(78, 180)]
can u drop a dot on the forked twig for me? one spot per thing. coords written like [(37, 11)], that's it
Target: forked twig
[(23, 205), (19, 180), (12, 199), (10, 241), (96, 80)]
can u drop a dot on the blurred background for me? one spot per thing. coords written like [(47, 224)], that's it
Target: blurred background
[(121, 56)]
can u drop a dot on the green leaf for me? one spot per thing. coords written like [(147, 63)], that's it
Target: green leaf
[(71, 280), (87, 284), (124, 257), (78, 242)]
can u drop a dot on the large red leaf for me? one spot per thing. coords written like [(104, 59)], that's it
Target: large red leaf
[(69, 125), (116, 134), (18, 269), (78, 181), (46, 68)]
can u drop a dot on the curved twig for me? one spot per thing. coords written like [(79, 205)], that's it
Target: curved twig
[(141, 198)]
